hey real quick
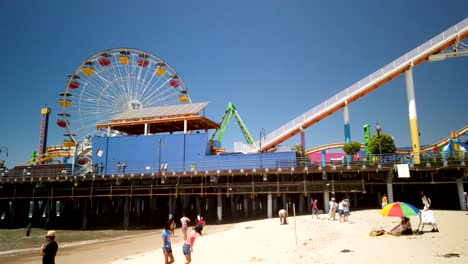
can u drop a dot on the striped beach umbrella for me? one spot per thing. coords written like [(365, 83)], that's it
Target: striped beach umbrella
[(399, 209)]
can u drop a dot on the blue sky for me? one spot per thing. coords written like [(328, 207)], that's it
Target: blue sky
[(273, 59)]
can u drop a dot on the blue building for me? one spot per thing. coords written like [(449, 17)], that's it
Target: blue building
[(180, 143)]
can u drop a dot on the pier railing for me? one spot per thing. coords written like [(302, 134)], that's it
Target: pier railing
[(265, 165)]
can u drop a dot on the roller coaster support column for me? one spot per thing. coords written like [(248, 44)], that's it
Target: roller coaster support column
[(412, 115), (302, 137), (324, 158), (347, 130)]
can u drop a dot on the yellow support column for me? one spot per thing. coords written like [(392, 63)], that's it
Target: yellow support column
[(413, 117)]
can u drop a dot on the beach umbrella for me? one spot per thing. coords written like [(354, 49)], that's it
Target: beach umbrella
[(399, 209)]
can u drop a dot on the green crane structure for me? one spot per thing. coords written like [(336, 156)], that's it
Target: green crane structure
[(232, 110)]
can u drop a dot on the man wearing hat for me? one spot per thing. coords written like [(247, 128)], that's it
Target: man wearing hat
[(49, 249)]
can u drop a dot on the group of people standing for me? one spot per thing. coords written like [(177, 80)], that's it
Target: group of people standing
[(341, 209), (189, 238)]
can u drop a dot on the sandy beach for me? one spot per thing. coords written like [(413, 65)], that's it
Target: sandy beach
[(106, 252), (266, 241)]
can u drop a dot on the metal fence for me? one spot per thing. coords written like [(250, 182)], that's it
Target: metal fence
[(269, 165)]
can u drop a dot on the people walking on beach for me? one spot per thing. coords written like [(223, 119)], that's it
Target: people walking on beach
[(49, 248), (184, 221), (384, 200), (332, 211), (283, 216), (167, 247), (187, 248), (173, 227), (314, 209), (340, 210), (346, 210)]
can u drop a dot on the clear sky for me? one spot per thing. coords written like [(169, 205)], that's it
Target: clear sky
[(273, 59)]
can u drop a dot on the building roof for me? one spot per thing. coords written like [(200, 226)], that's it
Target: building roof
[(160, 112), (160, 119)]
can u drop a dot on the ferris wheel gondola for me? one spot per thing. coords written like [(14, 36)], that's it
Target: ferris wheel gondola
[(114, 81)]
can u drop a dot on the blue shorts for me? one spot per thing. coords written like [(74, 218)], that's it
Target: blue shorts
[(168, 249), (186, 249)]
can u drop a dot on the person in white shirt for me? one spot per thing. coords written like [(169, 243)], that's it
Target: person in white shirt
[(340, 211), (184, 221), (426, 201)]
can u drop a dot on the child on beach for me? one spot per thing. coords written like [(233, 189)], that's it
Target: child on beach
[(283, 216), (184, 221), (173, 227), (167, 248), (187, 248), (200, 220), (384, 200), (314, 209), (332, 211)]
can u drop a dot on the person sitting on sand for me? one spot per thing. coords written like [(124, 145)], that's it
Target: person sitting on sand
[(187, 248), (403, 228), (283, 216)]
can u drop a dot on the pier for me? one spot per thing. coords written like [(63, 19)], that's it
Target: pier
[(50, 197)]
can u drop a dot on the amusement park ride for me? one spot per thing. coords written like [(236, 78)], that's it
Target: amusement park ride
[(131, 81), (226, 119)]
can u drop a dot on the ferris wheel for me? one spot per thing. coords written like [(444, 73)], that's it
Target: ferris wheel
[(111, 82)]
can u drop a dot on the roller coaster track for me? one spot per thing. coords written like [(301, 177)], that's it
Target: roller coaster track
[(427, 148), (60, 151), (377, 79)]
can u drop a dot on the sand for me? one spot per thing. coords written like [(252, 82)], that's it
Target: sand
[(106, 252), (266, 241)]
